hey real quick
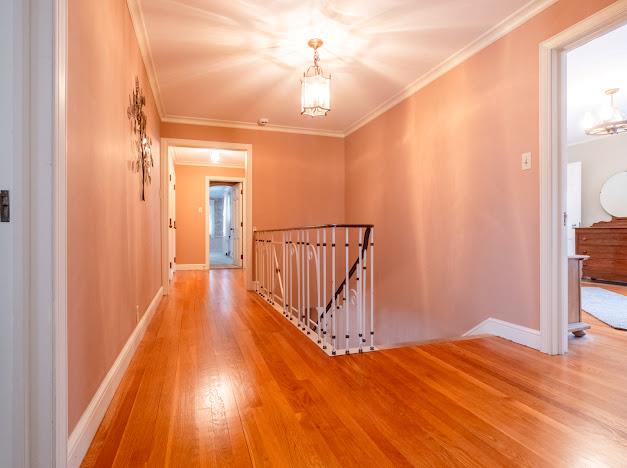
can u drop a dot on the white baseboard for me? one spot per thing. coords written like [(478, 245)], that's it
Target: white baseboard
[(190, 266), (510, 331), (84, 432)]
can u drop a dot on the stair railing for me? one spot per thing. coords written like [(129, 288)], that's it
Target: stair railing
[(297, 272)]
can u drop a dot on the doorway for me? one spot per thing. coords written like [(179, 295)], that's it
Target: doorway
[(198, 161), (226, 224), (555, 274)]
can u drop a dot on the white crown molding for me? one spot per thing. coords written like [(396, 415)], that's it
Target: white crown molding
[(510, 23), (209, 164), (510, 331), (137, 18), (516, 19), (250, 126), (85, 430)]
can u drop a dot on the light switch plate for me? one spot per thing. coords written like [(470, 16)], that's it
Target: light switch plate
[(525, 161)]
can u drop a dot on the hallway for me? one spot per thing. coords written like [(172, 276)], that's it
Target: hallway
[(220, 379)]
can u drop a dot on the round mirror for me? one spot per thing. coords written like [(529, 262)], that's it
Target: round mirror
[(614, 195)]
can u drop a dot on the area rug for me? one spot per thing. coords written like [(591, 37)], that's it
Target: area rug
[(609, 307)]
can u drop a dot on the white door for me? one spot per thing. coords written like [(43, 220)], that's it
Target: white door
[(171, 218), (573, 203), (238, 223), (11, 286)]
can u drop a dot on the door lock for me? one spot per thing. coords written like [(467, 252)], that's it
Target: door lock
[(5, 211)]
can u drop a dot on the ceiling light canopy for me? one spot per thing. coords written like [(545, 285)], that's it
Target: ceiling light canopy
[(315, 98), (608, 121)]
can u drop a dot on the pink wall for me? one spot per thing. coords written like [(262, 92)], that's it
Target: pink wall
[(457, 221), (297, 179), (113, 238), (190, 195)]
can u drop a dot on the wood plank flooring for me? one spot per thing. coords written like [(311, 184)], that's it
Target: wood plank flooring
[(220, 379)]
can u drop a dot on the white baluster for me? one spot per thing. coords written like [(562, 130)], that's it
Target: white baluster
[(347, 298), (333, 309), (372, 289), (360, 282)]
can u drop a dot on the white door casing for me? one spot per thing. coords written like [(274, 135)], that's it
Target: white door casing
[(573, 203), (171, 218), (238, 223)]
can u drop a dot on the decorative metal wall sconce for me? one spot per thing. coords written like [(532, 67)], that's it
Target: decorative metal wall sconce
[(142, 143)]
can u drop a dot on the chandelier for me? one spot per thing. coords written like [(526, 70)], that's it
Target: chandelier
[(609, 120), (315, 91)]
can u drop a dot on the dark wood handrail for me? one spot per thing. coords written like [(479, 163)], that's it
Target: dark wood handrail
[(318, 226)]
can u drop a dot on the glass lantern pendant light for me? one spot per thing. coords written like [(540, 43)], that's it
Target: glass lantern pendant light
[(609, 121), (315, 97)]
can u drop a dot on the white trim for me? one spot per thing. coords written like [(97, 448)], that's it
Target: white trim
[(510, 331), (59, 234), (248, 191), (210, 164), (516, 19), (251, 126), (208, 180), (552, 133), (86, 428), (190, 266), (137, 18)]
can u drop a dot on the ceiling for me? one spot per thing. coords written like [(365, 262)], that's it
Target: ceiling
[(234, 61), (592, 68), (208, 157)]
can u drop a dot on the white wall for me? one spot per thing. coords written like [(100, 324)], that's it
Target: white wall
[(601, 159)]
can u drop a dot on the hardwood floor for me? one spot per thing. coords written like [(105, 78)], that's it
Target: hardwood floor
[(220, 379)]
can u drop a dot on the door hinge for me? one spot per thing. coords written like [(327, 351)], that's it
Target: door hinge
[(565, 218), (241, 257), (241, 224), (170, 265), (5, 206), (170, 222), (174, 259)]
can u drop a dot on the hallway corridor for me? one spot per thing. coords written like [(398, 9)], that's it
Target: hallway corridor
[(220, 379)]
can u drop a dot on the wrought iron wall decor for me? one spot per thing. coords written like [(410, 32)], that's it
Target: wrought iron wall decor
[(142, 142)]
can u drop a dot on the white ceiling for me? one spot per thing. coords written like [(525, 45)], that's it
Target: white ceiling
[(592, 68), (208, 157), (240, 60)]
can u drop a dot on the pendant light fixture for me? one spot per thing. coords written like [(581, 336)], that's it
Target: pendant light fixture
[(315, 98), (609, 120)]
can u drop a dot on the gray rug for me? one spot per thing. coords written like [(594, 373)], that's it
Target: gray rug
[(609, 307)]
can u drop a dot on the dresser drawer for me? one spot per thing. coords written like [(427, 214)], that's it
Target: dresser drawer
[(616, 237), (602, 251)]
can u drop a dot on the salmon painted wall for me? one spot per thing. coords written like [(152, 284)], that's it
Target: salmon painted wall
[(114, 238), (457, 221), (297, 179), (190, 196)]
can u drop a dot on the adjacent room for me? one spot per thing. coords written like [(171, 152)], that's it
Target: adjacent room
[(210, 207), (597, 186), (225, 225)]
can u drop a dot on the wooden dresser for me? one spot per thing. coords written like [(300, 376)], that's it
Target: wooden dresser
[(606, 245)]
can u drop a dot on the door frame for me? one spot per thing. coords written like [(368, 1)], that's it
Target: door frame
[(208, 181), (166, 143), (553, 160)]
